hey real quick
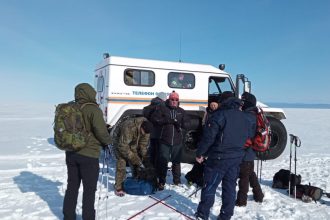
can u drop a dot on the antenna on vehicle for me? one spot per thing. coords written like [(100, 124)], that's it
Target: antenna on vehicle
[(180, 48)]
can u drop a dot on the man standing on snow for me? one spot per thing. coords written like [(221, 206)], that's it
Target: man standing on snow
[(154, 136), (171, 119), (247, 176), (83, 165), (222, 144)]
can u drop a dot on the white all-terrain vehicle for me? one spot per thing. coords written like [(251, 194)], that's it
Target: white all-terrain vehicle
[(125, 85)]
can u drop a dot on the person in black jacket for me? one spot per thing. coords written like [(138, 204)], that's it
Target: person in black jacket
[(154, 136), (222, 144), (247, 175), (171, 119), (215, 103)]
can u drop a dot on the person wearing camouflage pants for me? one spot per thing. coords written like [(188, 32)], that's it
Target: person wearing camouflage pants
[(131, 140)]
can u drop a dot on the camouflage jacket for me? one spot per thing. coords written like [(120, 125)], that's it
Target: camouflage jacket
[(129, 142)]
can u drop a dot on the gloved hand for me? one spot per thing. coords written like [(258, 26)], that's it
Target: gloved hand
[(146, 161), (106, 148), (177, 125), (109, 128), (171, 121)]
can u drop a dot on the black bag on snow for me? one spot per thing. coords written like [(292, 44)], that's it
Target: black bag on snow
[(195, 175), (313, 192), (281, 179)]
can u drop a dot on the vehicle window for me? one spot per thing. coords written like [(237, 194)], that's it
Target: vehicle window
[(135, 77), (100, 83), (218, 85), (181, 80)]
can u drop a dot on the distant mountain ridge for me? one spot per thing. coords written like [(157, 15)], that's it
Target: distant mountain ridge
[(297, 105)]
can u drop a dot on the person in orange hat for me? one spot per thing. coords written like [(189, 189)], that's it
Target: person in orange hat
[(171, 119)]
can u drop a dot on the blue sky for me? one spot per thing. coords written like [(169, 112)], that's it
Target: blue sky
[(283, 46)]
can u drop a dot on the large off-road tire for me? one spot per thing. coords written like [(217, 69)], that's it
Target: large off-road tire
[(191, 137), (278, 141), (189, 148)]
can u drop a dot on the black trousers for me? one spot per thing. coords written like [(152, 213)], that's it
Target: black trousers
[(80, 169), (168, 153), (153, 151), (246, 176)]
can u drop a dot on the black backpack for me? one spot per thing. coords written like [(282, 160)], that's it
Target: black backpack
[(195, 175), (307, 192), (281, 179)]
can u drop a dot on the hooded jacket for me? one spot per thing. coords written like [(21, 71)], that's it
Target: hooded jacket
[(149, 110), (94, 122), (226, 132)]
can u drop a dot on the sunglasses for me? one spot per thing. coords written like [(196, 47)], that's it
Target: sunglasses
[(174, 100)]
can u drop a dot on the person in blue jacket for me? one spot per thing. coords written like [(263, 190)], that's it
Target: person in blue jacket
[(222, 144), (247, 176)]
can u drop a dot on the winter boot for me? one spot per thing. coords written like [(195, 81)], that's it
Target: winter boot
[(176, 172), (161, 186), (120, 193), (240, 203), (199, 216), (258, 196)]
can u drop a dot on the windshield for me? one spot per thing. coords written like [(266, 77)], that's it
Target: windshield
[(218, 85)]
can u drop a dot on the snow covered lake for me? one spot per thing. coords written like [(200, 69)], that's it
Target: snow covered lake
[(33, 174)]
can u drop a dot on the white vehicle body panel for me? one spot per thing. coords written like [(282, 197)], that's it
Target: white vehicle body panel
[(115, 97)]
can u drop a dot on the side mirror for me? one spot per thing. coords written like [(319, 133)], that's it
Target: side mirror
[(247, 86), (244, 83)]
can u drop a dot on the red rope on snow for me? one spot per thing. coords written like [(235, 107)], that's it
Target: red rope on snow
[(158, 201)]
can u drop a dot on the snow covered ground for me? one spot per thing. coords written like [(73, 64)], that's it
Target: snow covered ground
[(33, 174)]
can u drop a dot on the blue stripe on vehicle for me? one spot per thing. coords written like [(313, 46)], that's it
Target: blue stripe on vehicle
[(148, 100)]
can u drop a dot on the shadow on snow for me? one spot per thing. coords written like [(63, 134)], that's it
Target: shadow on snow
[(46, 189)]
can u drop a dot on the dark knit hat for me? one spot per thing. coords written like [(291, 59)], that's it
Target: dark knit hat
[(249, 100), (225, 95), (147, 126), (214, 99)]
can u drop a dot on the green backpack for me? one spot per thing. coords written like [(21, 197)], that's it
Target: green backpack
[(70, 133)]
